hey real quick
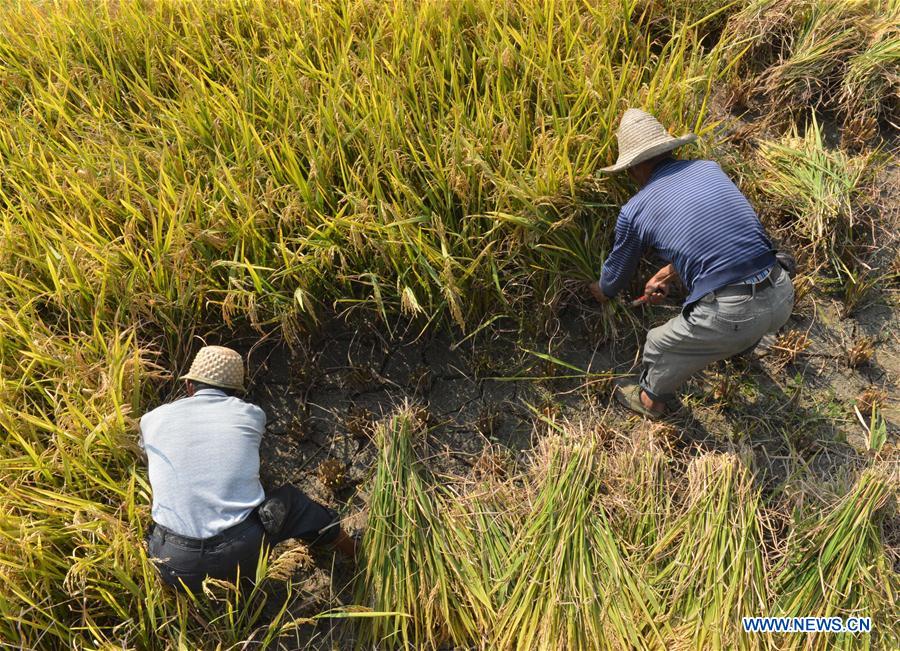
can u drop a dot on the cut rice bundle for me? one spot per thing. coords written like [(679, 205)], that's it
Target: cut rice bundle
[(836, 566), (570, 584), (712, 565)]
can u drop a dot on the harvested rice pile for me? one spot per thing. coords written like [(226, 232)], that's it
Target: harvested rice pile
[(580, 569)]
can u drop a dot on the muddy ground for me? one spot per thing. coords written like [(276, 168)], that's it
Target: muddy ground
[(795, 415)]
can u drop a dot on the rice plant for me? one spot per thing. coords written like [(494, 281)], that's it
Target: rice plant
[(571, 585), (276, 162), (712, 570), (401, 563), (835, 565), (422, 560), (818, 189), (821, 54), (640, 496), (175, 168)]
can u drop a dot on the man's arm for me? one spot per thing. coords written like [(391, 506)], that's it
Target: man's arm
[(621, 263), (141, 451)]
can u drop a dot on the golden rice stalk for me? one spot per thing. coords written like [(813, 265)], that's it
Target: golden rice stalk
[(870, 88), (712, 570), (815, 189), (836, 566), (398, 555), (412, 568), (639, 494), (828, 54), (570, 584), (289, 561), (475, 545)]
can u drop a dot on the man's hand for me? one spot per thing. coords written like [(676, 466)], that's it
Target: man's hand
[(597, 293), (346, 545), (657, 288), (656, 292)]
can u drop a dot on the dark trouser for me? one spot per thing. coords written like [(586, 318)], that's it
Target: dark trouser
[(181, 559)]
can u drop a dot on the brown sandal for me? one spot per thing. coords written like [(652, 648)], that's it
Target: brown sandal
[(628, 394)]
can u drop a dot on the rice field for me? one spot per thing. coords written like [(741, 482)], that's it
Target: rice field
[(175, 171)]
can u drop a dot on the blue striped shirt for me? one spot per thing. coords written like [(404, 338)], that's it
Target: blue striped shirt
[(693, 216)]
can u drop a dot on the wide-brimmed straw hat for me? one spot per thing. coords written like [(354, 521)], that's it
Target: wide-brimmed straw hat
[(217, 366), (641, 137)]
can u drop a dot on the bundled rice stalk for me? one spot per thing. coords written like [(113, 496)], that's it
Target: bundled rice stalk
[(870, 89), (571, 586), (494, 527), (836, 566), (810, 71), (413, 568), (400, 560), (712, 570), (475, 546), (828, 54), (640, 492)]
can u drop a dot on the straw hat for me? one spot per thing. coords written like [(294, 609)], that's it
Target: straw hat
[(219, 367), (641, 137)]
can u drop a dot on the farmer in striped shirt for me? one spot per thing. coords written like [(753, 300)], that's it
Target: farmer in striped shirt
[(692, 216)]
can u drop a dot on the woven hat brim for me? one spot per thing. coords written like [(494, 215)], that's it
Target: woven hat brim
[(650, 152), (211, 382)]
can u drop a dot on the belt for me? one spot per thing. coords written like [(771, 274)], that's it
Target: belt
[(748, 289), (187, 542)]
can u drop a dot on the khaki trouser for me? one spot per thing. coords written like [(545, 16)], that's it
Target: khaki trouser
[(720, 325)]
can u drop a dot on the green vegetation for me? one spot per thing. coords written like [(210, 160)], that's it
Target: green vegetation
[(570, 584), (836, 562), (412, 569), (819, 189), (171, 169), (572, 576), (272, 162), (711, 563)]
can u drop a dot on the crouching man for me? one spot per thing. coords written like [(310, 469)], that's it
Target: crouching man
[(692, 215), (211, 516)]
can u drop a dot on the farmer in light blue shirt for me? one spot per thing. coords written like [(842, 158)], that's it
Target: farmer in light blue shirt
[(692, 215), (211, 515)]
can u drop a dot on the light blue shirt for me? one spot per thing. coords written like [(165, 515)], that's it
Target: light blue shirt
[(203, 462)]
